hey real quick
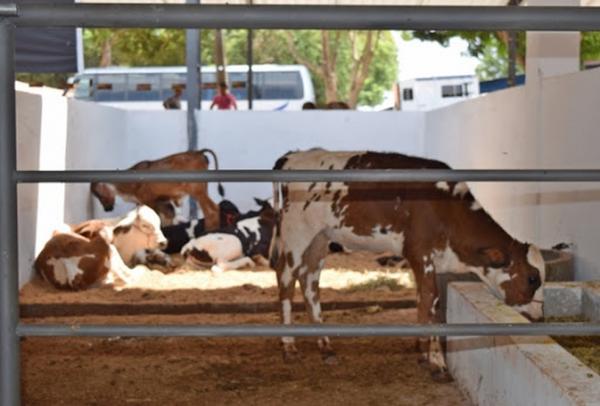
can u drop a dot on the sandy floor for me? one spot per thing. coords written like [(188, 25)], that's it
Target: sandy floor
[(228, 371), (343, 278)]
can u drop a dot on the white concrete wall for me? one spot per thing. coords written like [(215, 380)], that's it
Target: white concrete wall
[(550, 124), (255, 140)]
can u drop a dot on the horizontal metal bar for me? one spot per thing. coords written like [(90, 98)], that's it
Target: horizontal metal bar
[(366, 175), (425, 330), (310, 17), (8, 10)]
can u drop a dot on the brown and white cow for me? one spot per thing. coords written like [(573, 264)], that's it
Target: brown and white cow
[(438, 227), (163, 196), (99, 251)]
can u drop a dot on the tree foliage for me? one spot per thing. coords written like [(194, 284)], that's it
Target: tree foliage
[(352, 66)]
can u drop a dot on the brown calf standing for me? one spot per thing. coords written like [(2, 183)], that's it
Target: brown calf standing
[(161, 196)]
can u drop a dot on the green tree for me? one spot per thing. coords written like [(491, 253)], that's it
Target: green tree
[(590, 46)]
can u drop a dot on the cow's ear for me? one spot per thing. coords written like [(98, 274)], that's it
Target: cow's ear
[(260, 202), (494, 257)]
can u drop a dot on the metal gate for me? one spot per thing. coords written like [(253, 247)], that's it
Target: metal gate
[(255, 17)]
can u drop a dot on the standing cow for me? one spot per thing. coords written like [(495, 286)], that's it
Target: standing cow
[(163, 196), (438, 227)]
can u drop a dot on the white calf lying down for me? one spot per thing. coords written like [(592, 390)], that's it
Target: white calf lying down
[(96, 251), (233, 247)]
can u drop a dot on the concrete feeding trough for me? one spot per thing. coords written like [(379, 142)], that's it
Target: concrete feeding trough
[(559, 268), (520, 370)]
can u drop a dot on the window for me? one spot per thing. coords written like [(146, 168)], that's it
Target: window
[(277, 86), (111, 88), (83, 87), (407, 94), (452, 91), (238, 85), (143, 87)]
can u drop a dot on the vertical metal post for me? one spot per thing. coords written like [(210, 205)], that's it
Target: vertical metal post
[(250, 60), (512, 51), (249, 80), (192, 49), (512, 58), (192, 61), (9, 281)]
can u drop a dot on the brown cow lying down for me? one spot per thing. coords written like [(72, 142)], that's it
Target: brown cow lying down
[(162, 196), (99, 251), (436, 226)]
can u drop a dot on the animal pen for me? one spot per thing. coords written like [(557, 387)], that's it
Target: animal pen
[(249, 17)]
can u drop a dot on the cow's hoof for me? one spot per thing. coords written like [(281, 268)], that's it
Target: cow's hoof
[(329, 358), (441, 376)]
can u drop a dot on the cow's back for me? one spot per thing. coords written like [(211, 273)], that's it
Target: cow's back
[(378, 216)]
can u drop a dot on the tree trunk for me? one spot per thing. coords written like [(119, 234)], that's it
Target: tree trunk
[(328, 69), (220, 58), (360, 69), (106, 55)]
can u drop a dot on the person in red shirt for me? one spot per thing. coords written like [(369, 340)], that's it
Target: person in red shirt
[(224, 100)]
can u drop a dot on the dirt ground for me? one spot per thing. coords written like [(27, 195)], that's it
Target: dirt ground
[(230, 371)]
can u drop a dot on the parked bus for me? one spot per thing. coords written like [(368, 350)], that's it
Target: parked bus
[(275, 87)]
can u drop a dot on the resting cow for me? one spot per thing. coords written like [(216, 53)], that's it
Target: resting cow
[(437, 227), (180, 234), (162, 196), (99, 251), (234, 246)]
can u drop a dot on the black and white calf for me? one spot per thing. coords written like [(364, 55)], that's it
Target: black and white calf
[(180, 234), (236, 245)]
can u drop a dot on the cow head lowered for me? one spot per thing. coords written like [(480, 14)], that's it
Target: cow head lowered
[(106, 194), (516, 275), (438, 227)]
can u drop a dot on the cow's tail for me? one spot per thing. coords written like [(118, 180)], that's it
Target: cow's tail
[(214, 156), (274, 250)]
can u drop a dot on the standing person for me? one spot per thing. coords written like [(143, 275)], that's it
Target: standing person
[(174, 102), (223, 99)]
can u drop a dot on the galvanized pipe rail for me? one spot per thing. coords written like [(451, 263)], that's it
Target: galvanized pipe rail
[(308, 17), (256, 17), (308, 330), (348, 175)]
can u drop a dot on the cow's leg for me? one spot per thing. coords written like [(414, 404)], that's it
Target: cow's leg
[(286, 281), (429, 313), (209, 208), (429, 348), (310, 271)]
